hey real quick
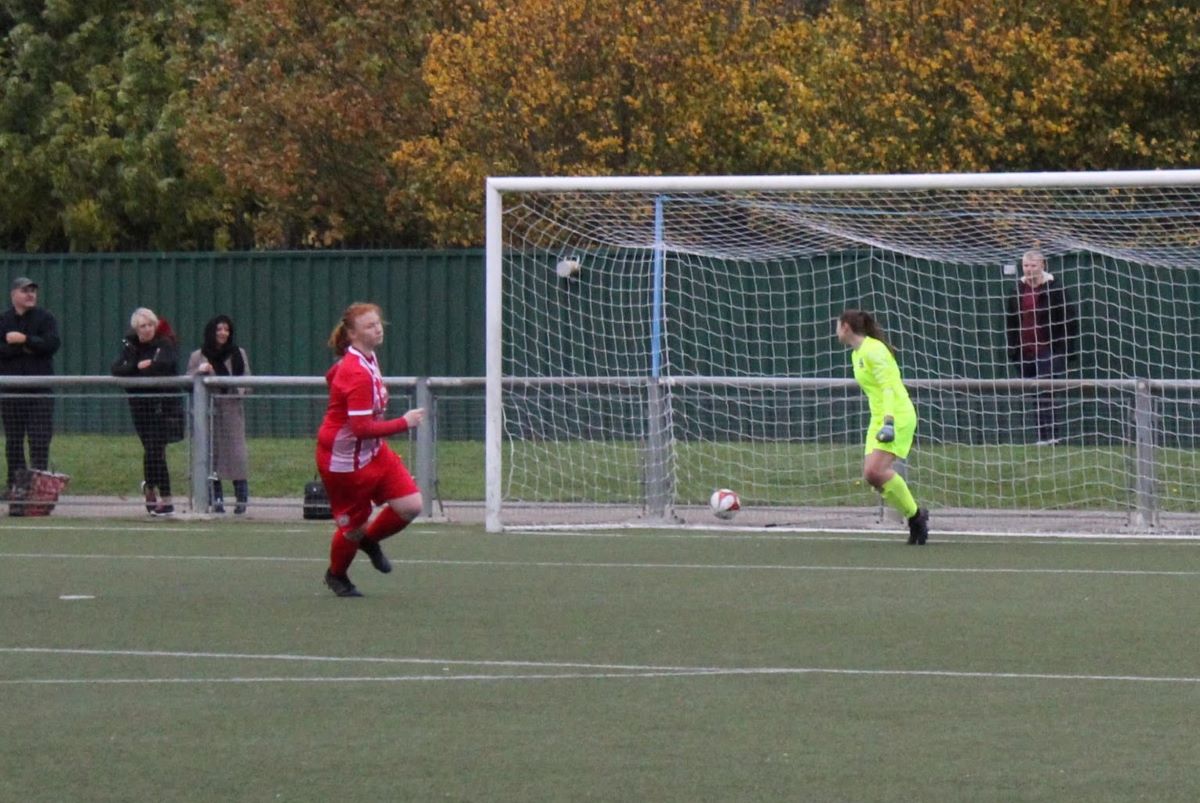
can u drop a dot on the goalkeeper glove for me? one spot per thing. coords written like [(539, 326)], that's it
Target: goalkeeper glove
[(887, 433)]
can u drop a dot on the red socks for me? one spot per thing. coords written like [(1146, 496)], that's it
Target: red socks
[(341, 552), (385, 524)]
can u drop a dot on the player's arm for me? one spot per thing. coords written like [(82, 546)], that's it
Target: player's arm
[(360, 409), (364, 425)]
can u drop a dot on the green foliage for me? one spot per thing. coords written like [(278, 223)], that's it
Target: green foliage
[(200, 124), (299, 104), (989, 85), (88, 129), (884, 86)]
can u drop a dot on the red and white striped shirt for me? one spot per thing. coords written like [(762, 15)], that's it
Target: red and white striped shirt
[(355, 388)]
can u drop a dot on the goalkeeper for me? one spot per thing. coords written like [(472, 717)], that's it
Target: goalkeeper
[(893, 417)]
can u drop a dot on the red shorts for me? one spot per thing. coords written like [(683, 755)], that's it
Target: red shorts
[(353, 493)]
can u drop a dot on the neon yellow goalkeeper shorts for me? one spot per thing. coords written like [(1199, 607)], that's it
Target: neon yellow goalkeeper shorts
[(906, 428)]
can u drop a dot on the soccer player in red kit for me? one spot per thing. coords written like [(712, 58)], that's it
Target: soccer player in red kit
[(357, 466)]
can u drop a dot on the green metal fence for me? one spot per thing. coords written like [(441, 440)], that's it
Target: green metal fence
[(283, 304), (948, 320)]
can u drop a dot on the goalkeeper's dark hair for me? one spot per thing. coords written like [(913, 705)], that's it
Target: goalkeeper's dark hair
[(339, 338), (863, 323)]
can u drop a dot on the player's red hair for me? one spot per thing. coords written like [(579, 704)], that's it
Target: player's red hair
[(339, 338)]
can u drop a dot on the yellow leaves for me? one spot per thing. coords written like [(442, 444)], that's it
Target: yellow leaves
[(358, 91)]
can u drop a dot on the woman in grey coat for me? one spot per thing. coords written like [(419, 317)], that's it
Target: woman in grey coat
[(221, 356)]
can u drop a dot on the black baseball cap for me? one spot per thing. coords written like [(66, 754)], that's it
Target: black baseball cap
[(21, 282)]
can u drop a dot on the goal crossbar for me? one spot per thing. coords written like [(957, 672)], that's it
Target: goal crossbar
[(908, 181)]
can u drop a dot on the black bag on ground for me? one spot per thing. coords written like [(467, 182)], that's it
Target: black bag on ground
[(316, 501)]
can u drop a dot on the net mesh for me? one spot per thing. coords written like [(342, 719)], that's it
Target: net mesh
[(658, 345)]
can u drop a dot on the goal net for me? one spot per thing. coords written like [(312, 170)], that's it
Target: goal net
[(652, 339)]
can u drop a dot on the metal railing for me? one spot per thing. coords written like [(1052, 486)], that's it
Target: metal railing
[(1141, 410), (199, 391)]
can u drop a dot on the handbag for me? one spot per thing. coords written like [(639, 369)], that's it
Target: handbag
[(36, 492), (316, 500)]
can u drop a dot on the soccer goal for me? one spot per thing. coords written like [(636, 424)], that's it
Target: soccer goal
[(652, 339)]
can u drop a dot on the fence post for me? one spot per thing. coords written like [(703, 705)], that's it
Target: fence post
[(199, 444), (426, 440)]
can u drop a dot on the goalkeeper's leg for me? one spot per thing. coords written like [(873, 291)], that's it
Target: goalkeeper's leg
[(878, 471), (896, 493)]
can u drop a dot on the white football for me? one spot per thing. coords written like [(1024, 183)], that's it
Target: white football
[(724, 503), (567, 268)]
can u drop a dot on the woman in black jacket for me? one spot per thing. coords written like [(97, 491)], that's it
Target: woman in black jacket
[(150, 350)]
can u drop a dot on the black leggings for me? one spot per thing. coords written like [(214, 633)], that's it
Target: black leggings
[(154, 465), (152, 432), (27, 416)]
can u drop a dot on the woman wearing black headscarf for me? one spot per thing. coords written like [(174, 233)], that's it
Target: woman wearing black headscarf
[(221, 356)]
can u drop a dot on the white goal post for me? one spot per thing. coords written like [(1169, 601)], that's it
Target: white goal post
[(650, 339)]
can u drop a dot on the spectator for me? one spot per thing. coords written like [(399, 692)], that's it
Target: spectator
[(1042, 331), (356, 464), (149, 350), (221, 356), (30, 339)]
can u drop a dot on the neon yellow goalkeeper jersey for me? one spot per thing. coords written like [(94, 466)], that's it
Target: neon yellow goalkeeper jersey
[(877, 374)]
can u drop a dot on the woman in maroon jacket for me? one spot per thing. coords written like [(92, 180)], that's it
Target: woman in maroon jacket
[(1042, 333)]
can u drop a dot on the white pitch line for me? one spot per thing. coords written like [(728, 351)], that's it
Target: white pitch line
[(737, 533), (803, 567), (137, 528), (605, 671), (546, 564), (340, 659), (940, 537), (350, 679), (836, 533), (243, 529), (943, 537), (97, 556)]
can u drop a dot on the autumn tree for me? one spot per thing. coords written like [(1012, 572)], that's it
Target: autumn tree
[(592, 87), (964, 85), (195, 124), (298, 105), (681, 86)]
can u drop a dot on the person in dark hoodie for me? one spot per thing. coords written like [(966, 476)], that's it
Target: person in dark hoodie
[(149, 350), (357, 466), (28, 341)]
